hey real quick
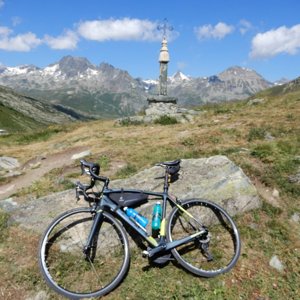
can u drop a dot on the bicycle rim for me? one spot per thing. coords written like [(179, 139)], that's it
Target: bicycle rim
[(65, 267), (209, 254)]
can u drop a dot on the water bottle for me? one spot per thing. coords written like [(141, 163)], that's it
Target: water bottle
[(130, 212), (156, 216)]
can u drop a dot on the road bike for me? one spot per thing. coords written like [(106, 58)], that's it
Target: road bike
[(85, 251)]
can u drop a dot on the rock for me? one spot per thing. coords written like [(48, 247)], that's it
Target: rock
[(36, 165), (3, 132), (276, 263), (215, 178), (161, 109), (8, 204), (8, 163), (295, 178), (158, 109), (275, 193), (256, 101), (41, 295), (269, 136), (295, 218), (81, 154)]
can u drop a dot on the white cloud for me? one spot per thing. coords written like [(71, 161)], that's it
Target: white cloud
[(245, 26), (218, 31), (22, 42), (119, 29), (4, 31), (276, 41), (68, 40)]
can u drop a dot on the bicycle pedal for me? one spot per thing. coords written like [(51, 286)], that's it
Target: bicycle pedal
[(145, 254)]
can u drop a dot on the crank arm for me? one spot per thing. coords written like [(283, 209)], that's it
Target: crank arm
[(182, 241)]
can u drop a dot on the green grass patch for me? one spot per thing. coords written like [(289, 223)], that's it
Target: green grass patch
[(104, 162), (13, 121), (3, 225), (257, 133), (166, 120), (130, 122), (126, 171), (40, 135)]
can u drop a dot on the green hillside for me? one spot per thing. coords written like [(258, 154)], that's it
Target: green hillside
[(19, 112), (11, 120)]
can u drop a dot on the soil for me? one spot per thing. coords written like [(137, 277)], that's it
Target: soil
[(37, 167)]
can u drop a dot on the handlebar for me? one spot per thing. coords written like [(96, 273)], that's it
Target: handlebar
[(93, 170)]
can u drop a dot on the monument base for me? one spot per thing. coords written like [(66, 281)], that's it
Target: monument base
[(161, 98), (161, 108)]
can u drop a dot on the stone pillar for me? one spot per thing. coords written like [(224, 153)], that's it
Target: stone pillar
[(163, 63)]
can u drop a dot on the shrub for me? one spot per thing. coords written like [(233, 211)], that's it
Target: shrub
[(166, 120), (256, 133)]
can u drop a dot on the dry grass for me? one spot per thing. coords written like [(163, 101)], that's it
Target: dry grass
[(237, 130)]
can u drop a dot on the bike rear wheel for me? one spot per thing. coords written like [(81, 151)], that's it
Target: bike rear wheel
[(68, 270), (209, 254)]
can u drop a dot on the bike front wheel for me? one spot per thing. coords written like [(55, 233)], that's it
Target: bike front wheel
[(211, 253), (74, 274)]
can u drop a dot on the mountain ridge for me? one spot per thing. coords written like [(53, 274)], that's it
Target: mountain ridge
[(19, 111), (106, 91)]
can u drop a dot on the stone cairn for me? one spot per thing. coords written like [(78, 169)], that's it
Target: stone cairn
[(161, 104)]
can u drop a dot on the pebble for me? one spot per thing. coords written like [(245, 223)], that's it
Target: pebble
[(276, 263)]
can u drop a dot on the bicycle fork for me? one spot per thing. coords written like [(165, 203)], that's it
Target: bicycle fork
[(91, 240)]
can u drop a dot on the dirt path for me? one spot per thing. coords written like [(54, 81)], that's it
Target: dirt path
[(37, 167)]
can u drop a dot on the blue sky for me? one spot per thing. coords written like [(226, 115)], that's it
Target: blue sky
[(207, 36)]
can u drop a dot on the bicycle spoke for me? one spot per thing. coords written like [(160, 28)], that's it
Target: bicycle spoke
[(72, 272), (211, 253)]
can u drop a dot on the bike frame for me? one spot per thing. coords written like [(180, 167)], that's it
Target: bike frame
[(106, 204)]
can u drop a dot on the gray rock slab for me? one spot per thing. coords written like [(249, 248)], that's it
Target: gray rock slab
[(8, 163), (81, 154)]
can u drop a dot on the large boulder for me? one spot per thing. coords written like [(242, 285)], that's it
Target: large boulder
[(215, 178)]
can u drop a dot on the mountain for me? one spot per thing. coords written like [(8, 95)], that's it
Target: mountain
[(106, 91), (233, 83), (22, 112), (74, 82), (292, 86)]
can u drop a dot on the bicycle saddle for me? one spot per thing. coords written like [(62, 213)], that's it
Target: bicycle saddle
[(171, 163)]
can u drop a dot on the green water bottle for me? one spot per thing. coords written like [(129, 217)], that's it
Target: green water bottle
[(156, 216)]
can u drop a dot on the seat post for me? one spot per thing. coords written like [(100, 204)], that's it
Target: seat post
[(166, 182)]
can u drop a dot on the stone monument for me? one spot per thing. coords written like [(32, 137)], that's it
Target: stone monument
[(162, 103)]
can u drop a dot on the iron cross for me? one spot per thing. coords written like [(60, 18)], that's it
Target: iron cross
[(164, 27)]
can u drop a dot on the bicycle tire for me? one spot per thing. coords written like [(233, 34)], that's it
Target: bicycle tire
[(222, 242), (64, 265)]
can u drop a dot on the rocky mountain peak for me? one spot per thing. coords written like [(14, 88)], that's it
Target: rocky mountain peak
[(179, 77), (239, 72), (106, 67), (72, 66)]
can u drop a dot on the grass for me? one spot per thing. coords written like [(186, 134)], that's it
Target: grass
[(126, 171), (54, 181), (234, 129), (166, 120)]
